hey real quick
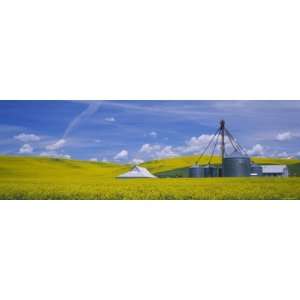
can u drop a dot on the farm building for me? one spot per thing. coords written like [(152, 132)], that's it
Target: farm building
[(235, 164), (275, 170), (137, 172)]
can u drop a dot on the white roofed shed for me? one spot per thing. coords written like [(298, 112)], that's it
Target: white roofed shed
[(137, 172), (275, 170)]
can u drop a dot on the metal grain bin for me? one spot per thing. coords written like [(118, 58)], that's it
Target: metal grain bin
[(210, 171), (220, 171), (195, 171), (237, 165), (256, 170)]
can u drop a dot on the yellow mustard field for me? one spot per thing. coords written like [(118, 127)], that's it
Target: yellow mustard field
[(208, 188), (44, 178)]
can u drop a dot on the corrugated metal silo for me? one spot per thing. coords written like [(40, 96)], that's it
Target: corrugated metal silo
[(210, 171), (237, 165), (220, 171), (195, 171)]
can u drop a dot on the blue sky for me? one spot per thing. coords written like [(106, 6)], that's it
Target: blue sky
[(134, 131)]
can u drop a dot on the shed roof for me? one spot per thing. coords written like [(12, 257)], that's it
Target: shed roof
[(273, 168), (137, 172)]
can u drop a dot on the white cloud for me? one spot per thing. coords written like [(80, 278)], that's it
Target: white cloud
[(110, 119), (94, 159), (196, 144), (158, 151), (167, 151), (257, 150), (147, 148), (57, 145), (121, 155), (55, 155), (97, 141), (104, 159), (23, 137), (283, 154), (46, 154), (284, 136), (153, 134), (137, 161), (26, 149), (193, 145)]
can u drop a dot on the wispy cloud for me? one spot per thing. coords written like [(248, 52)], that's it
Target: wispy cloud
[(93, 159), (88, 112), (153, 134), (283, 154), (110, 119), (55, 155), (284, 136), (137, 161), (189, 112), (13, 129), (23, 137), (57, 145)]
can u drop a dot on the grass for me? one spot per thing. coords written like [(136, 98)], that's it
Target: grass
[(49, 169), (45, 178)]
